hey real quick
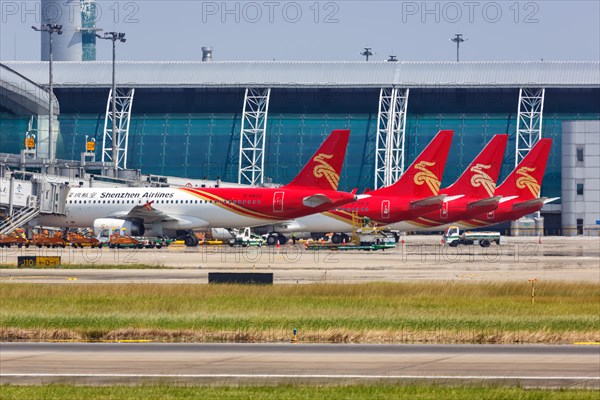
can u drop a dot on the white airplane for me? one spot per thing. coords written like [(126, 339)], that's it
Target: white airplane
[(175, 212)]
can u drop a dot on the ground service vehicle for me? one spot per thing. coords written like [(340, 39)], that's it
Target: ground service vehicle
[(453, 237), (9, 240), (246, 238), (41, 240), (81, 241)]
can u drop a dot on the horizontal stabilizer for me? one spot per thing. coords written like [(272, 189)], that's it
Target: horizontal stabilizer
[(316, 200), (539, 202), (504, 199), (362, 196), (429, 201), (448, 199), (490, 201)]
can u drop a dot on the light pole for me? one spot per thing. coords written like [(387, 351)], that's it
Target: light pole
[(458, 39), (50, 28), (114, 36), (367, 53)]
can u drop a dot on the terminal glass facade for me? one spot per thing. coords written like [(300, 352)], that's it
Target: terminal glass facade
[(173, 133)]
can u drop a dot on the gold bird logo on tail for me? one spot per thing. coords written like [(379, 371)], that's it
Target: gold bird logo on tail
[(426, 176), (326, 170), (480, 178), (526, 180)]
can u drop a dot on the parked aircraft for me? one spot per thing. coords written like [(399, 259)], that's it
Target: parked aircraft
[(415, 193), (522, 187), (472, 193), (174, 212)]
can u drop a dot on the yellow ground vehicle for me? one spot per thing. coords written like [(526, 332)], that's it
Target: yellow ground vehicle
[(47, 240), (11, 240), (77, 240)]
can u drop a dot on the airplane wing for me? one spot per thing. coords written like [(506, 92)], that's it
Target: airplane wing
[(147, 213), (490, 201), (428, 201)]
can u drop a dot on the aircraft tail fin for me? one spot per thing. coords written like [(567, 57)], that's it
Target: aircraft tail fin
[(324, 168), (526, 179), (479, 179), (422, 178)]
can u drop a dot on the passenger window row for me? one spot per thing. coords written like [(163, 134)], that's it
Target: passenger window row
[(165, 202)]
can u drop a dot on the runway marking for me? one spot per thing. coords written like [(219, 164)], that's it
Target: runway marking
[(587, 343), (103, 341), (10, 278), (309, 376)]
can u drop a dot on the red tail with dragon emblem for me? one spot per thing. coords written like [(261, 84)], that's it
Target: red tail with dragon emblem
[(479, 179), (323, 169), (422, 178), (525, 180)]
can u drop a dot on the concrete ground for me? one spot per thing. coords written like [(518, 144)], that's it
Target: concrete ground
[(419, 258)]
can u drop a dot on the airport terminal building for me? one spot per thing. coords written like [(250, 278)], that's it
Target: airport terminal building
[(205, 120)]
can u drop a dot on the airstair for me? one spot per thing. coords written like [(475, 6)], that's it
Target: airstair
[(20, 217)]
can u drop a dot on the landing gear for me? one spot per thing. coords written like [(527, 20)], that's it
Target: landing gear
[(339, 238), (191, 241), (275, 238), (188, 237)]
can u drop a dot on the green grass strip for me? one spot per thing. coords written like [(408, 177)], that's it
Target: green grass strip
[(375, 392), (374, 312)]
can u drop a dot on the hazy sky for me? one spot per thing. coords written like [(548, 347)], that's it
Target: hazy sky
[(329, 30)]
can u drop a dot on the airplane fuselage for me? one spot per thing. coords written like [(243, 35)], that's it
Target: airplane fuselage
[(189, 208), (449, 213), (377, 210), (504, 212)]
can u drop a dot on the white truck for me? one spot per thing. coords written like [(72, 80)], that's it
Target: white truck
[(453, 237), (246, 238)]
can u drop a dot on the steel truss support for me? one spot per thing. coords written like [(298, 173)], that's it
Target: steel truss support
[(391, 125), (123, 103), (252, 136), (529, 122)]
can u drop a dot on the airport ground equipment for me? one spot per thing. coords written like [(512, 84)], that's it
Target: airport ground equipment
[(247, 238), (48, 240), (453, 237), (78, 240), (13, 240), (122, 241), (366, 238)]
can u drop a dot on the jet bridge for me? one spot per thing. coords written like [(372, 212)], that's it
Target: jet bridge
[(23, 196)]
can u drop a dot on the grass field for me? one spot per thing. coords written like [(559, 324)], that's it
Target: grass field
[(369, 313), (55, 392)]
